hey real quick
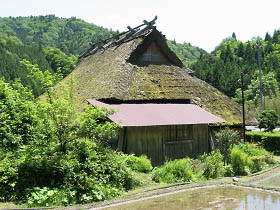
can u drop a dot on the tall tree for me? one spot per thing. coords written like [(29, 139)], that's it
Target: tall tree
[(233, 35)]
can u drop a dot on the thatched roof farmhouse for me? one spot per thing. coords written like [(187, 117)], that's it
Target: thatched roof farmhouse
[(138, 67)]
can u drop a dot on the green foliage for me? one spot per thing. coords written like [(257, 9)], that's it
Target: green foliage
[(268, 120), (258, 156), (226, 139), (17, 116), (174, 171), (214, 166), (252, 150), (252, 94), (43, 80), (257, 163), (94, 124), (12, 51), (46, 197), (71, 35), (186, 52), (140, 164), (95, 171), (43, 151), (239, 161), (61, 62), (270, 141), (222, 67), (247, 157)]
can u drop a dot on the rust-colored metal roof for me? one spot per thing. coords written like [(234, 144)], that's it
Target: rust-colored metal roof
[(158, 114)]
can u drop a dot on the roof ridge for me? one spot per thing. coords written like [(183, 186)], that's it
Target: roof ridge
[(141, 30)]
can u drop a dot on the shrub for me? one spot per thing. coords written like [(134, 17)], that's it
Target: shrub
[(47, 197), (268, 120), (49, 149), (252, 149), (270, 141), (214, 166), (90, 164), (197, 167), (228, 170), (239, 161), (258, 156), (174, 171), (226, 139), (256, 163), (140, 164), (87, 172)]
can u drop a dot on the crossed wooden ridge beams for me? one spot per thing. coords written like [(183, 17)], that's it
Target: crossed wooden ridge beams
[(123, 37)]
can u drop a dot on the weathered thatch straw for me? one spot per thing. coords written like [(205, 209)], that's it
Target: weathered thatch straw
[(122, 70)]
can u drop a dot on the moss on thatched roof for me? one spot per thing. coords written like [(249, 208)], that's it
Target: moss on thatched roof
[(115, 73)]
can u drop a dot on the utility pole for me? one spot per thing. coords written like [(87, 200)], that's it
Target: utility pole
[(243, 106), (259, 45)]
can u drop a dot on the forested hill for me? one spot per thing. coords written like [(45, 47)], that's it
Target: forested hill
[(221, 68), (72, 35), (186, 52), (55, 43)]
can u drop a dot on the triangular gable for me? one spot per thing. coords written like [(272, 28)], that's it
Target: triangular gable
[(153, 55), (154, 50)]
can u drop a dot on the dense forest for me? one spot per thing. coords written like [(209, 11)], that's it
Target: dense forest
[(55, 43), (186, 52), (222, 67)]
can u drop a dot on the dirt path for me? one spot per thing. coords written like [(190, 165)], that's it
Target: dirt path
[(258, 179)]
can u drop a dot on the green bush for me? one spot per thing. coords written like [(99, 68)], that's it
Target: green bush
[(88, 171), (90, 167), (252, 149), (49, 149), (270, 141), (47, 197), (140, 164), (226, 138), (257, 163), (228, 170), (174, 171), (258, 157), (239, 161), (268, 120), (214, 166)]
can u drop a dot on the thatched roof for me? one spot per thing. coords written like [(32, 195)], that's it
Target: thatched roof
[(117, 72)]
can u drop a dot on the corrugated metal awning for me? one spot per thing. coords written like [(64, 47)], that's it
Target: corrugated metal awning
[(158, 114)]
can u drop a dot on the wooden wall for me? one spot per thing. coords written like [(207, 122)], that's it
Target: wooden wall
[(160, 143)]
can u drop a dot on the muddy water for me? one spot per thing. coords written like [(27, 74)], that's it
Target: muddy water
[(209, 198)]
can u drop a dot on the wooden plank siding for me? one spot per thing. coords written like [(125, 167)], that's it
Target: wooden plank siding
[(161, 143)]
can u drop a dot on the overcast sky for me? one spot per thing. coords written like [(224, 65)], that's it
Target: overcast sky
[(203, 23)]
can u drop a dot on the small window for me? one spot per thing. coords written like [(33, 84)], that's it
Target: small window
[(179, 132)]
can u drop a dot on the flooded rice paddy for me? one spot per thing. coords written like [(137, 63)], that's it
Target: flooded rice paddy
[(223, 197)]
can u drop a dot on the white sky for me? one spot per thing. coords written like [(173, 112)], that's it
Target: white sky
[(203, 23)]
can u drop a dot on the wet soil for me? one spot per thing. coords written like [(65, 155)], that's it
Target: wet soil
[(267, 183)]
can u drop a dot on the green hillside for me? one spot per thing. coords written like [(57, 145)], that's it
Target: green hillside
[(222, 67), (71, 35), (186, 52)]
